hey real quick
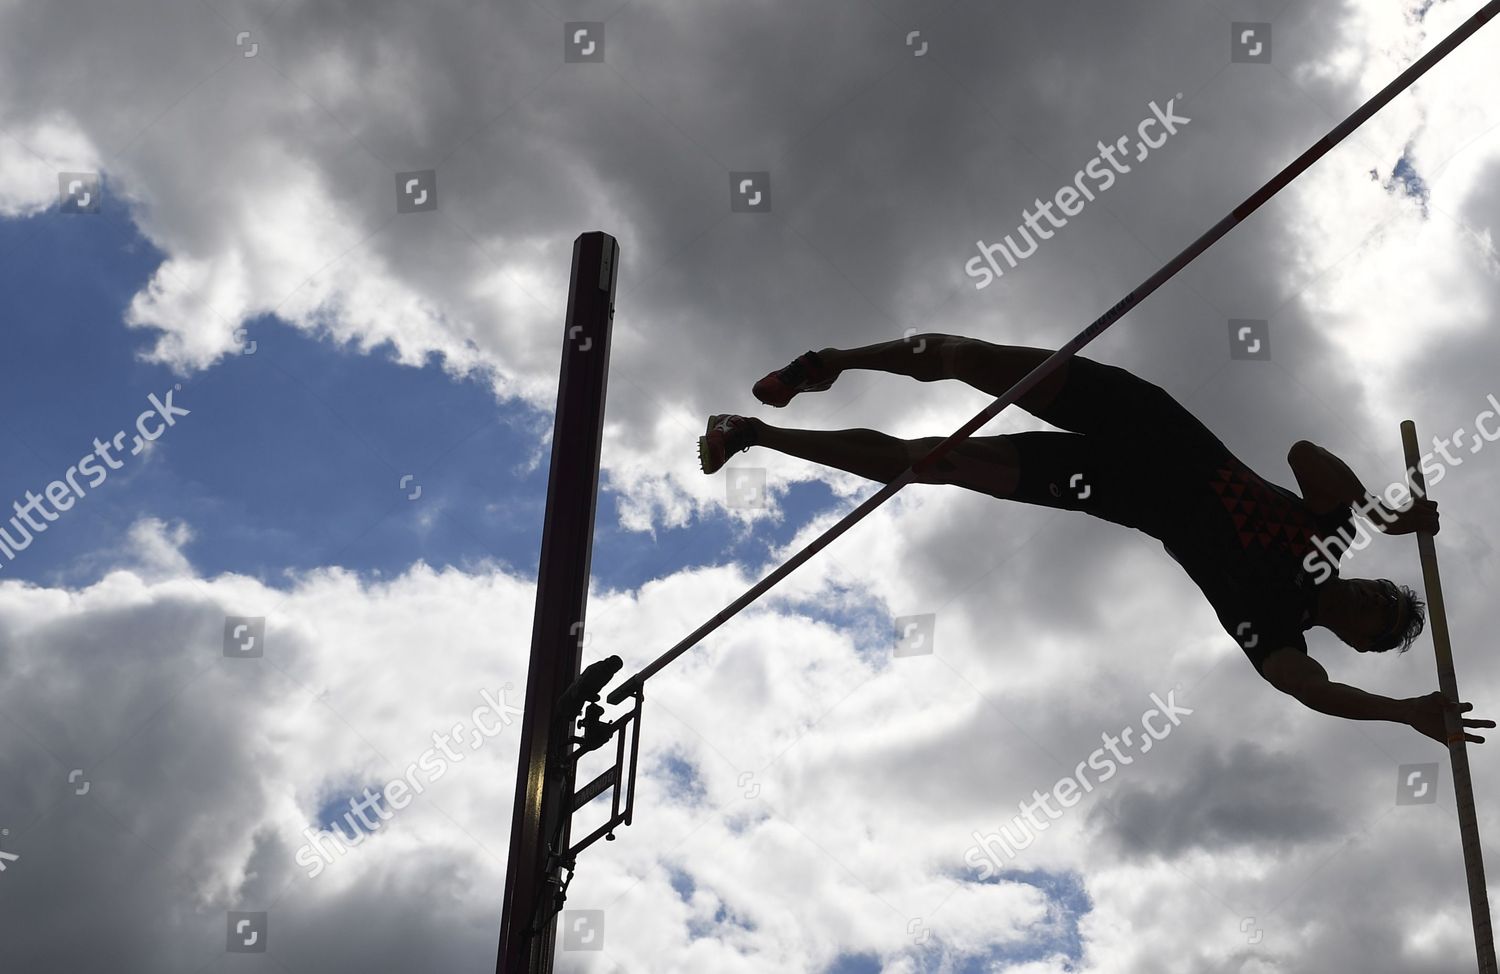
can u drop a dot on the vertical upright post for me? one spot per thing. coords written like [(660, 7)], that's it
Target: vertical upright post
[(542, 809), (1463, 785)]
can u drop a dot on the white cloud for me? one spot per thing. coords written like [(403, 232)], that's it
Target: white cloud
[(32, 155), (155, 549)]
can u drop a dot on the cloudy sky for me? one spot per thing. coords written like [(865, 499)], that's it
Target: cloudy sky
[(200, 198)]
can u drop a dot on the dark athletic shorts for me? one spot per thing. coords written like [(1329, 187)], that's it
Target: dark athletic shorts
[(1130, 453)]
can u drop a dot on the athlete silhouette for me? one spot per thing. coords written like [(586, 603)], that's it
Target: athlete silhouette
[(1132, 455)]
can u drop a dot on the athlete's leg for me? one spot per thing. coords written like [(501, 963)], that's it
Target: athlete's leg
[(1065, 471), (984, 463), (1080, 396), (988, 367), (1115, 405)]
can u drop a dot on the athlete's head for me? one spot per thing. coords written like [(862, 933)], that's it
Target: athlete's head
[(1372, 615)]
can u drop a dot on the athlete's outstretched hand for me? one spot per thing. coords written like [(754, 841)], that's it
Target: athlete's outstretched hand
[(1427, 717), (1422, 515)]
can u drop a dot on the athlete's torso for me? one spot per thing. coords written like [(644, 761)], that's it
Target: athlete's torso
[(1248, 545)]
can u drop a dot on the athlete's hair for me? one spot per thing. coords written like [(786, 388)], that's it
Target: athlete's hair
[(1416, 621)]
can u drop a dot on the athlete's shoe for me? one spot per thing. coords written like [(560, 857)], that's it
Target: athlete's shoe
[(807, 373), (726, 436)]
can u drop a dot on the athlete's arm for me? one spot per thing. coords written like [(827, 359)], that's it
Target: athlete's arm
[(1327, 483), (1297, 674)]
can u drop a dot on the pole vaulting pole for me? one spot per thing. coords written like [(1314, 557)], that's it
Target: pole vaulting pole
[(1458, 750), (1057, 358), (542, 810)]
